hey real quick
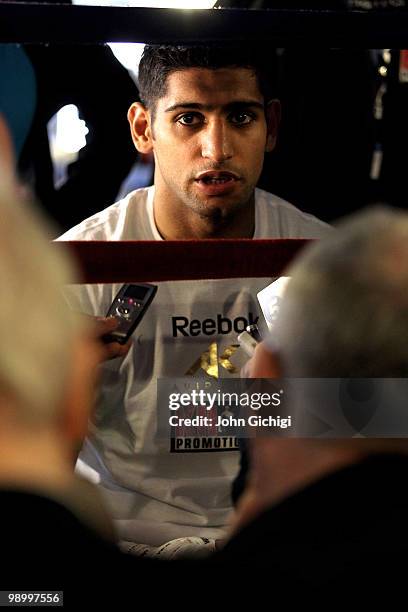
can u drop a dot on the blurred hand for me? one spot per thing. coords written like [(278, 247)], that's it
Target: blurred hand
[(111, 350), (262, 364)]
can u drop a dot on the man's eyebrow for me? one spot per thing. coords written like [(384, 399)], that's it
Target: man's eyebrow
[(209, 107)]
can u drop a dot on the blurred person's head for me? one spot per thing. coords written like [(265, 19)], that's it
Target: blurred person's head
[(344, 315), (346, 307), (48, 358), (208, 115)]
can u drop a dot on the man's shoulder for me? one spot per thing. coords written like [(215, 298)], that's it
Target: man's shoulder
[(111, 223), (279, 219)]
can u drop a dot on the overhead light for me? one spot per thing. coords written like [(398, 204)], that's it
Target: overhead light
[(179, 4), (128, 54)]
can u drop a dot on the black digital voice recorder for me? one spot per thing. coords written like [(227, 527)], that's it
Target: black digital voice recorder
[(129, 307)]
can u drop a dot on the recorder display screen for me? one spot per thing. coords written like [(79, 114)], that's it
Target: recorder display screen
[(136, 292)]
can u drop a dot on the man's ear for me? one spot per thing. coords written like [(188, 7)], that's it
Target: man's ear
[(6, 149), (273, 117), (140, 126)]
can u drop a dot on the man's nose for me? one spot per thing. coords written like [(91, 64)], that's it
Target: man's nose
[(216, 143)]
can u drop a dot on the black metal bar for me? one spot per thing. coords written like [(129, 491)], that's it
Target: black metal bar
[(282, 28)]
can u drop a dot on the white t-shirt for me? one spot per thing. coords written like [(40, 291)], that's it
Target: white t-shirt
[(156, 489)]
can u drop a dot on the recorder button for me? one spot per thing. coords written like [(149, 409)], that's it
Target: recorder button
[(124, 311)]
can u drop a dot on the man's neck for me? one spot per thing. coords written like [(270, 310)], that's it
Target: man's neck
[(178, 222), (34, 460), (39, 462)]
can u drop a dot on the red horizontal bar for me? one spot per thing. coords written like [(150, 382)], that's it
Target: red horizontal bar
[(136, 261)]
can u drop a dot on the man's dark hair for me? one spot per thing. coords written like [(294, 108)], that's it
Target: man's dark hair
[(158, 61)]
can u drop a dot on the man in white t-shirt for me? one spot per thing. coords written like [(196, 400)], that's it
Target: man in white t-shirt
[(208, 115)]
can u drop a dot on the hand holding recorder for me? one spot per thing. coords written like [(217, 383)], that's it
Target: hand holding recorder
[(123, 316)]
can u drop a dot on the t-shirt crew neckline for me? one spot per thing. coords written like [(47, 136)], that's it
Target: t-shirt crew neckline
[(150, 214), (153, 226)]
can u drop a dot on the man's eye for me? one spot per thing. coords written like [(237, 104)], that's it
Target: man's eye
[(189, 119), (242, 118)]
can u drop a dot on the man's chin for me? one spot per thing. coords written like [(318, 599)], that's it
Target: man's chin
[(218, 208)]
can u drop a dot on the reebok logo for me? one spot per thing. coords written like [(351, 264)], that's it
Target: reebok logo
[(182, 326)]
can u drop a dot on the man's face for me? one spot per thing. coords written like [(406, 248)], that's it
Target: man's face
[(209, 134)]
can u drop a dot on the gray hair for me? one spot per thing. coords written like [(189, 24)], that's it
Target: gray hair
[(345, 311), (37, 329)]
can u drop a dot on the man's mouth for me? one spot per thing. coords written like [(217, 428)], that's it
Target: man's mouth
[(213, 177)]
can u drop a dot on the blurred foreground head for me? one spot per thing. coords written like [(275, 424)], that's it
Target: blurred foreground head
[(344, 315), (41, 354), (345, 312)]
